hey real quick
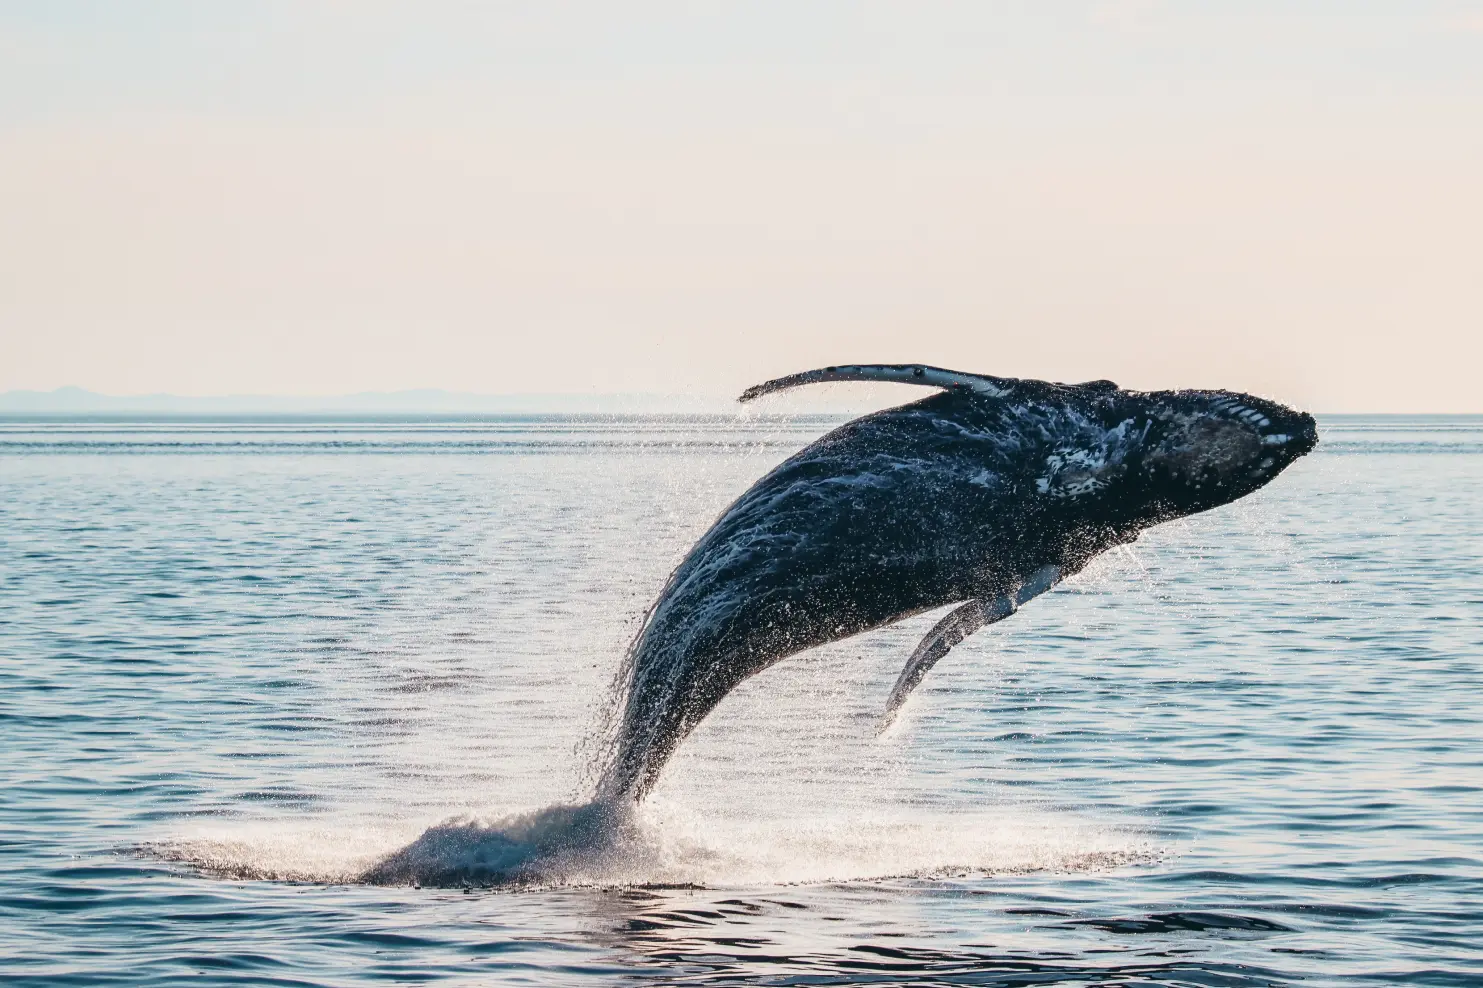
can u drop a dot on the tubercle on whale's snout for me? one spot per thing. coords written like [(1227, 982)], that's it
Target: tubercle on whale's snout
[(1276, 425), (1279, 430)]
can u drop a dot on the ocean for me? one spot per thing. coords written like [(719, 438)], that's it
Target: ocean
[(243, 661)]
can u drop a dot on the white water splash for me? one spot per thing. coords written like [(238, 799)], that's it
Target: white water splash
[(588, 845)]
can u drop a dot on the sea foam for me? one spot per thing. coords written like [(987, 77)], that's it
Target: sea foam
[(594, 845)]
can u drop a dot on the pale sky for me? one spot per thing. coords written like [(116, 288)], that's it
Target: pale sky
[(317, 197)]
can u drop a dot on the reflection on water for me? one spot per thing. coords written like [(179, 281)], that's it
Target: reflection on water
[(238, 676)]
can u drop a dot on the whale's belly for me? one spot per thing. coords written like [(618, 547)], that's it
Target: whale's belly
[(799, 563)]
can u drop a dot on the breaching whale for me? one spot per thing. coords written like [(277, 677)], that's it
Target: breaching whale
[(984, 495)]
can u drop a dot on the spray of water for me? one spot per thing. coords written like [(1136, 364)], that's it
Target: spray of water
[(588, 846)]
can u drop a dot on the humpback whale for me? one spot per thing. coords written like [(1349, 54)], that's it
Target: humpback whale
[(983, 495)]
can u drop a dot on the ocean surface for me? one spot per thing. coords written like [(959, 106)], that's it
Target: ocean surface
[(241, 662)]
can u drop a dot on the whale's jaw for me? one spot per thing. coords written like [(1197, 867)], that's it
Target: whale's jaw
[(1204, 449)]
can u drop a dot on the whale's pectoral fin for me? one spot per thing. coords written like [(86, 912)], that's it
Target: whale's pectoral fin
[(958, 624), (932, 377)]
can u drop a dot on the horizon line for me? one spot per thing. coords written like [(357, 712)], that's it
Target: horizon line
[(73, 401)]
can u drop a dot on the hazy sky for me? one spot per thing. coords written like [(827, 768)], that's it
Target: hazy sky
[(325, 197)]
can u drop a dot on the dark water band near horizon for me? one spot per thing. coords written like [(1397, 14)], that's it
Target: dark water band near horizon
[(242, 661)]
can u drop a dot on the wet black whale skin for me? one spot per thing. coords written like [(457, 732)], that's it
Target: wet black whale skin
[(911, 508)]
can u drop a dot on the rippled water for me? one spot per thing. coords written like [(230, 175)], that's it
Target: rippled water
[(239, 663)]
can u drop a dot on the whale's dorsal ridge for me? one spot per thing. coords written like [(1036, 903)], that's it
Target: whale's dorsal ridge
[(932, 377)]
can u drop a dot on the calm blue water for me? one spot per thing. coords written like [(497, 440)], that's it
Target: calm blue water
[(240, 662)]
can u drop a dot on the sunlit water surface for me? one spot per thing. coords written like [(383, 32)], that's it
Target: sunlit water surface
[(240, 663)]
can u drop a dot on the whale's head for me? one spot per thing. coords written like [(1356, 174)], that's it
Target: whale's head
[(1197, 450)]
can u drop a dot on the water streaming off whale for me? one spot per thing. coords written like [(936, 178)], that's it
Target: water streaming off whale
[(1243, 751)]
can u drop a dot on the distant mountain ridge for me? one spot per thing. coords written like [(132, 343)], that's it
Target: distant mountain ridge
[(79, 401), (75, 401)]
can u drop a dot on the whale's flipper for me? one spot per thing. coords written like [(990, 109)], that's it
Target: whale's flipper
[(932, 377), (958, 624)]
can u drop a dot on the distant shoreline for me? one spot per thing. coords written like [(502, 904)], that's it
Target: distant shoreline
[(145, 417), (71, 404), (79, 401), (149, 417)]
